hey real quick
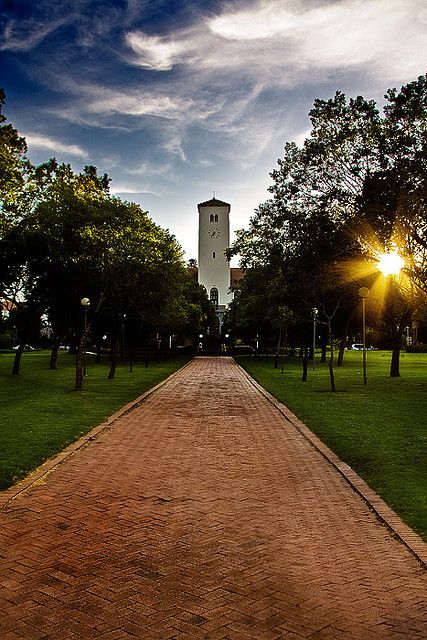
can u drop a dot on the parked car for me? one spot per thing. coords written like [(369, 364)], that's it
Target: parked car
[(358, 346), (27, 347)]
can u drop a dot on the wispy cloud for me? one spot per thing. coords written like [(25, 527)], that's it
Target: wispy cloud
[(138, 103), (123, 189), (283, 42), (218, 68), (153, 52), (262, 20), (36, 141), (150, 169), (217, 87), (388, 34), (25, 35)]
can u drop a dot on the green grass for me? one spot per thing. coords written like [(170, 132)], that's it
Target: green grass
[(41, 414), (379, 430)]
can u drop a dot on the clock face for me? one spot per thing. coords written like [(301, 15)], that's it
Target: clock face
[(214, 232)]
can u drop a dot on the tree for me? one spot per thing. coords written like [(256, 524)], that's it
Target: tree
[(101, 248), (356, 186), (13, 168), (393, 207), (394, 201), (40, 258), (63, 237)]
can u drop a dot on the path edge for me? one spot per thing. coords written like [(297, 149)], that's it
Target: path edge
[(39, 473), (399, 529)]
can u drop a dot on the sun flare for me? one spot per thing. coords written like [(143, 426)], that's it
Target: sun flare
[(390, 263)]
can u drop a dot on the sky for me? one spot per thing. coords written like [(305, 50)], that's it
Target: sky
[(178, 100)]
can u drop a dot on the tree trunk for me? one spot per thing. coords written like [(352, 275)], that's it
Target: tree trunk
[(279, 343), (81, 358), (405, 320), (343, 342), (114, 354), (395, 361), (331, 359), (122, 342), (17, 359), (98, 352), (54, 354), (341, 351), (324, 347), (79, 363)]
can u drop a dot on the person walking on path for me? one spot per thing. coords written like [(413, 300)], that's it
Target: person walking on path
[(202, 512)]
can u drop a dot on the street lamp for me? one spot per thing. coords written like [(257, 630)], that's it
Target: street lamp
[(315, 312), (85, 302), (123, 337), (364, 293)]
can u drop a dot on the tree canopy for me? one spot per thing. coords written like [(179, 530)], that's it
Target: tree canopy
[(63, 237), (355, 189)]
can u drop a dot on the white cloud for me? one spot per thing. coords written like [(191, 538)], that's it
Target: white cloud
[(153, 52), (111, 107), (124, 188), (265, 20), (228, 77), (36, 141), (283, 43), (173, 144), (137, 103), (389, 35)]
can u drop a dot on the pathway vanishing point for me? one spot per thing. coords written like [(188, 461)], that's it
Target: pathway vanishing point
[(202, 512)]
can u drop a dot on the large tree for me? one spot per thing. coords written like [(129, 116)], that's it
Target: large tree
[(354, 189), (393, 203)]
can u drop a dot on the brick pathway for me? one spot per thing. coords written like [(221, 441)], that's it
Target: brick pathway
[(203, 513)]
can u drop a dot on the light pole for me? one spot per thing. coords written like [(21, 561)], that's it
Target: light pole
[(315, 312), (85, 302), (123, 337), (364, 293)]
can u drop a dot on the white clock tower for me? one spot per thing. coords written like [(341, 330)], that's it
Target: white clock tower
[(214, 238)]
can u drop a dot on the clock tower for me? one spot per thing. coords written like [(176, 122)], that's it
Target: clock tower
[(214, 238)]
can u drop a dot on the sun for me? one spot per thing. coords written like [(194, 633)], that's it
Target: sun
[(390, 263)]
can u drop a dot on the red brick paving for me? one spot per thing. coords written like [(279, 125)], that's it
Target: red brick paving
[(202, 513)]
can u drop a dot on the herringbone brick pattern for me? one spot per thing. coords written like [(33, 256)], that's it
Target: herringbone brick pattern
[(203, 513)]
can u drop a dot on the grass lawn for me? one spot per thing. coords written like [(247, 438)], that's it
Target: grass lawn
[(41, 414), (379, 430)]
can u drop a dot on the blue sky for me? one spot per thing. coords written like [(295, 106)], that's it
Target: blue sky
[(177, 98)]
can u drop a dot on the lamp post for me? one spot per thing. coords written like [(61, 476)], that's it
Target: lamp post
[(315, 312), (85, 302), (364, 293), (123, 337)]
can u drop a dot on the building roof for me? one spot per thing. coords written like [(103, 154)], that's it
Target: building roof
[(236, 275), (213, 203)]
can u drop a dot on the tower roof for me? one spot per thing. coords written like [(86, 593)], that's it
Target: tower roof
[(213, 203)]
